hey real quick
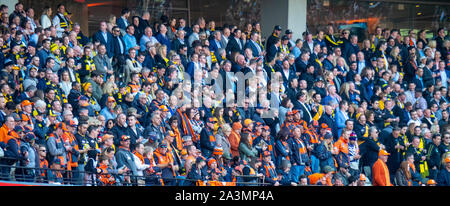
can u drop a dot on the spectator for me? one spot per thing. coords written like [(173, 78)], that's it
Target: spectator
[(380, 171)]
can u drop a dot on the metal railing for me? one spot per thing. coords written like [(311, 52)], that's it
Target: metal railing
[(15, 173)]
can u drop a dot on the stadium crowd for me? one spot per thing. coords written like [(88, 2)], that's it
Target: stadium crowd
[(152, 101)]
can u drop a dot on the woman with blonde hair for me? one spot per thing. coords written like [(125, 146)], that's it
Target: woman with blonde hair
[(111, 22), (46, 17), (222, 140), (161, 55), (395, 58), (432, 44)]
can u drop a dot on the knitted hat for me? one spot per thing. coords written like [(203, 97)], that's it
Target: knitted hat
[(218, 150), (53, 47), (211, 161), (237, 126)]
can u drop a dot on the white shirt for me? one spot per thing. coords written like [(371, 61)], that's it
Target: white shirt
[(45, 22)]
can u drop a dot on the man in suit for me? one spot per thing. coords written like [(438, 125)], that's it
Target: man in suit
[(257, 50), (215, 44), (225, 36), (235, 43), (163, 38), (361, 62), (122, 21), (428, 74), (105, 38), (308, 45), (182, 26), (275, 35), (102, 62), (301, 105), (119, 49)]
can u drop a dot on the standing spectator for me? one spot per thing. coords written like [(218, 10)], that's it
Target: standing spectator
[(124, 156), (129, 39), (105, 38), (60, 22), (122, 21), (163, 38), (380, 170), (45, 17)]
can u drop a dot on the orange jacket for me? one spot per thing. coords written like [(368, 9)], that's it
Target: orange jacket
[(380, 174), (3, 133), (234, 140), (341, 145)]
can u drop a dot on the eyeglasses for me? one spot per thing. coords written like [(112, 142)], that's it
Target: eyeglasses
[(116, 30), (43, 150)]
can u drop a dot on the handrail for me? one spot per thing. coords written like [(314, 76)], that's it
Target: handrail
[(21, 174)]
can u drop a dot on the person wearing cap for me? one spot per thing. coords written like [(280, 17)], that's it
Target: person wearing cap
[(124, 157), (27, 144), (354, 154), (72, 156), (165, 161), (207, 138), (92, 101), (380, 171), (57, 148), (55, 175), (443, 177), (13, 152), (342, 156), (269, 170), (108, 111), (234, 138), (265, 142)]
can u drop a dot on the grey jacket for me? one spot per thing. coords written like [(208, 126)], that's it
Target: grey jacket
[(125, 157)]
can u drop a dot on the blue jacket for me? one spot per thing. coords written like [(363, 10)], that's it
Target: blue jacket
[(165, 41), (294, 153), (281, 151), (213, 45), (253, 47), (122, 23), (340, 120)]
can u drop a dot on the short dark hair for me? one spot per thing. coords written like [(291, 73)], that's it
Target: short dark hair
[(124, 11)]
